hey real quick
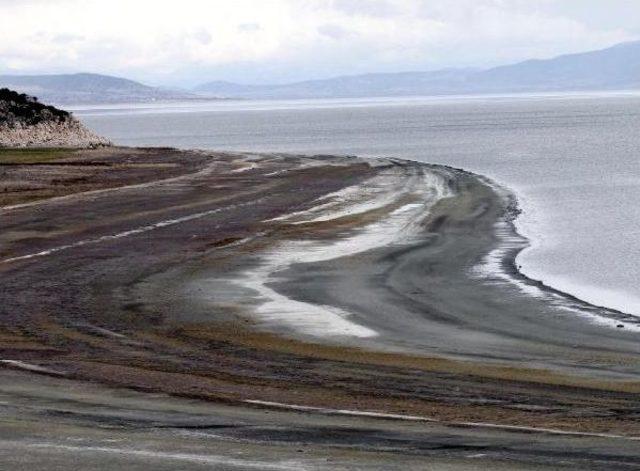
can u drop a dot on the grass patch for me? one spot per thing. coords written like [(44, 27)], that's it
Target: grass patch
[(33, 156)]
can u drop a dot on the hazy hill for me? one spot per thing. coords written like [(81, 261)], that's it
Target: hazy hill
[(617, 67), (88, 88), (404, 83)]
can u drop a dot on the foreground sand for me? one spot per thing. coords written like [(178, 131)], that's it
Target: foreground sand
[(184, 283)]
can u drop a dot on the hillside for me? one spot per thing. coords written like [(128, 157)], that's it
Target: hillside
[(25, 122), (88, 89), (616, 67)]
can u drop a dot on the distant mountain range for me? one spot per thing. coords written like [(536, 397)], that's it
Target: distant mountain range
[(617, 67), (614, 68)]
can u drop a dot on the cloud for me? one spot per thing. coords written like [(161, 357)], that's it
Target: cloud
[(267, 40), (333, 31), (249, 27)]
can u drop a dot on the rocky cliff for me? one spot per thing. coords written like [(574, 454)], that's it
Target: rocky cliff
[(25, 122)]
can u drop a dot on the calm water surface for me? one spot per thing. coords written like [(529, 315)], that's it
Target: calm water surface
[(573, 161)]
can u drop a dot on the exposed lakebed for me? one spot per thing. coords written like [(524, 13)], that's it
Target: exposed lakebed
[(572, 160)]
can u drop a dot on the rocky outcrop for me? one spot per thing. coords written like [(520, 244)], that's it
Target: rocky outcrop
[(25, 122), (70, 133)]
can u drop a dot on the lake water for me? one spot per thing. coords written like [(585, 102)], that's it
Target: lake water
[(573, 161)]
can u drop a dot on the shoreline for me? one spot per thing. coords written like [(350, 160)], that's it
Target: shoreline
[(514, 243)]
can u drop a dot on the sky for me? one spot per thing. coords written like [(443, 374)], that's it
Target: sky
[(187, 42)]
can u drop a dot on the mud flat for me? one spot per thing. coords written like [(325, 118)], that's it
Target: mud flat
[(267, 311)]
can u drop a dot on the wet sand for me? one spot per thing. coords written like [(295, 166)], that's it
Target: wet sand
[(325, 304)]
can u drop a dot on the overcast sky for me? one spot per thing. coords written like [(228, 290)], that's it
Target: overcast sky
[(187, 42)]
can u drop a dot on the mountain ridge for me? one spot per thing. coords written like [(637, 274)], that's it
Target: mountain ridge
[(609, 68)]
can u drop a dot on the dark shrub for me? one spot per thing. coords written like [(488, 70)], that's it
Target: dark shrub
[(22, 108)]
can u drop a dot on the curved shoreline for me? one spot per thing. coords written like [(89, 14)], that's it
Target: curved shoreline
[(599, 313), (421, 310)]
